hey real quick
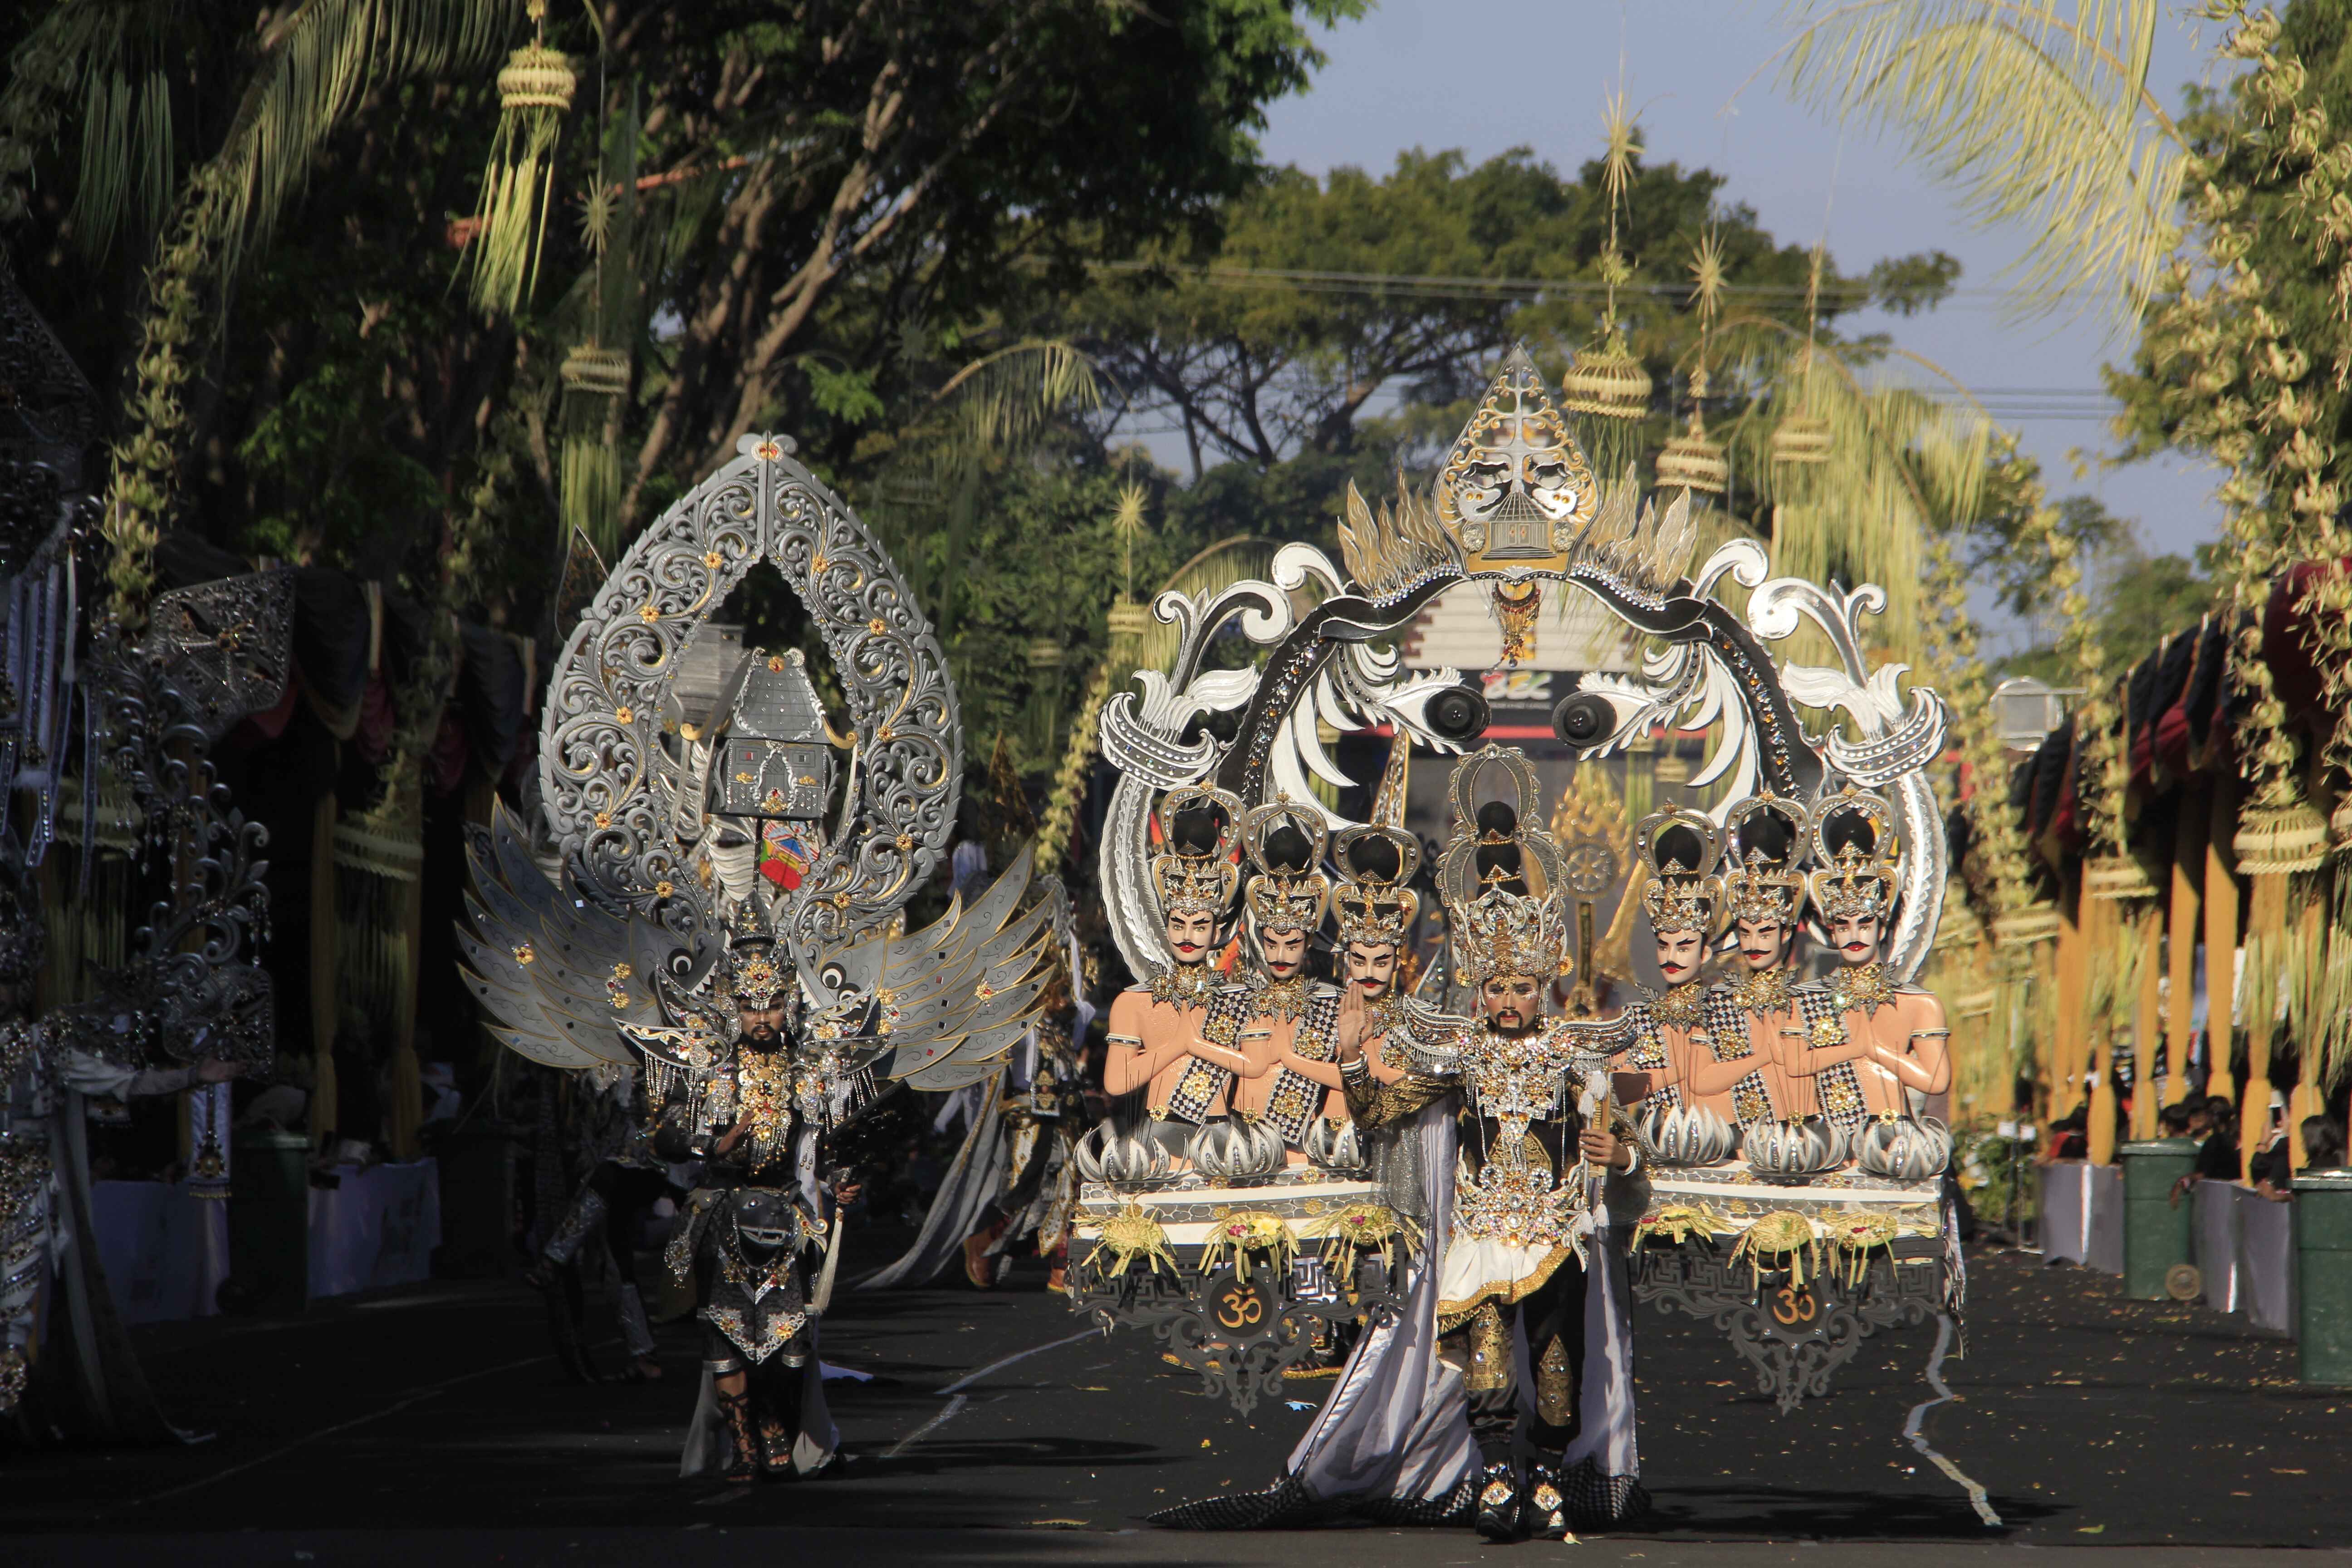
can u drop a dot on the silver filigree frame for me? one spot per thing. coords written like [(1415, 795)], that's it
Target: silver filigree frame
[(600, 752)]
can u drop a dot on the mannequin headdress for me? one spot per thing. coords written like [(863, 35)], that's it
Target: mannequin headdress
[(1500, 877), (1682, 849), (1372, 903), (1858, 856), (1765, 848), (1284, 843), (1192, 870)]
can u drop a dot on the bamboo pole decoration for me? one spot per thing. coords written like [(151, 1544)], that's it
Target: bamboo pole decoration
[(2304, 1100), (407, 1109), (2266, 928), (2222, 901), (323, 970), (2100, 920), (2186, 911), (2068, 1050), (2148, 1022)]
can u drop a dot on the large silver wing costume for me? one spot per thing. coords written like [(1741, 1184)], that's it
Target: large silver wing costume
[(572, 983)]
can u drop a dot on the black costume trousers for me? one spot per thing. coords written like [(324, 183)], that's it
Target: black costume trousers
[(1553, 1318)]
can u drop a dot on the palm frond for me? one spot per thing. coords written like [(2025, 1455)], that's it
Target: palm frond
[(1000, 401), (114, 55), (2038, 110), (315, 67), (1909, 454)]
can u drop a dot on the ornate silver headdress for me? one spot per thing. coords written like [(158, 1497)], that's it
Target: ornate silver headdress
[(1500, 877), (1684, 893), (1860, 876), (753, 977), (1289, 891), (1764, 882), (1373, 903), (1193, 880)]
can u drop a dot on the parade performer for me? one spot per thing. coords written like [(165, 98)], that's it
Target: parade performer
[(1014, 1179), (1872, 1046), (717, 900), (1521, 1267), (1765, 891), (1041, 1113), (766, 1119), (611, 1206), (1522, 1235), (1158, 1029)]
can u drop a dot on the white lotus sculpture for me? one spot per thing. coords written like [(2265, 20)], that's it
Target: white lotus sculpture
[(1121, 1160), (1902, 1150), (1333, 1146), (1689, 1136), (1805, 1148), (1237, 1150)]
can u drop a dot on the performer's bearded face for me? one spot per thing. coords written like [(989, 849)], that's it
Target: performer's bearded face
[(1762, 943), (1512, 1003), (1679, 953), (1189, 935), (1371, 968), (1857, 937), (1285, 951), (763, 1027)]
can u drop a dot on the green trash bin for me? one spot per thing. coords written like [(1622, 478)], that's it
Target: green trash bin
[(268, 1224), (2322, 1251), (2158, 1237)]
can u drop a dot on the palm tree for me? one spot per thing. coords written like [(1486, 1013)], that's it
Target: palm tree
[(2039, 110), (113, 64)]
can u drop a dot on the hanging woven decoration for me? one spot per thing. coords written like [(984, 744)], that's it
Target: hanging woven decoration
[(1607, 385), (511, 224), (2277, 841), (594, 381), (1690, 459)]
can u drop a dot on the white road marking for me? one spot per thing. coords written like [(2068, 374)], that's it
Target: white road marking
[(1977, 1498), (958, 1401), (964, 1382), (926, 1429)]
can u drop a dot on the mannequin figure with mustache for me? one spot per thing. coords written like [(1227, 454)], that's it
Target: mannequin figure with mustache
[(1286, 1019), (1765, 895), (1872, 1043), (1156, 1029), (1685, 1048)]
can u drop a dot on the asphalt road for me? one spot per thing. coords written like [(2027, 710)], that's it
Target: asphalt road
[(431, 1426)]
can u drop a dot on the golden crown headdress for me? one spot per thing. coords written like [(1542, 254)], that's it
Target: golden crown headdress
[(1858, 877), (1197, 881), (1684, 892), (1503, 933), (1288, 896), (1374, 905), (1762, 883), (1500, 875)]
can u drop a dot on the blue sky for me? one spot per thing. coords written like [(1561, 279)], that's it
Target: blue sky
[(1494, 74)]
